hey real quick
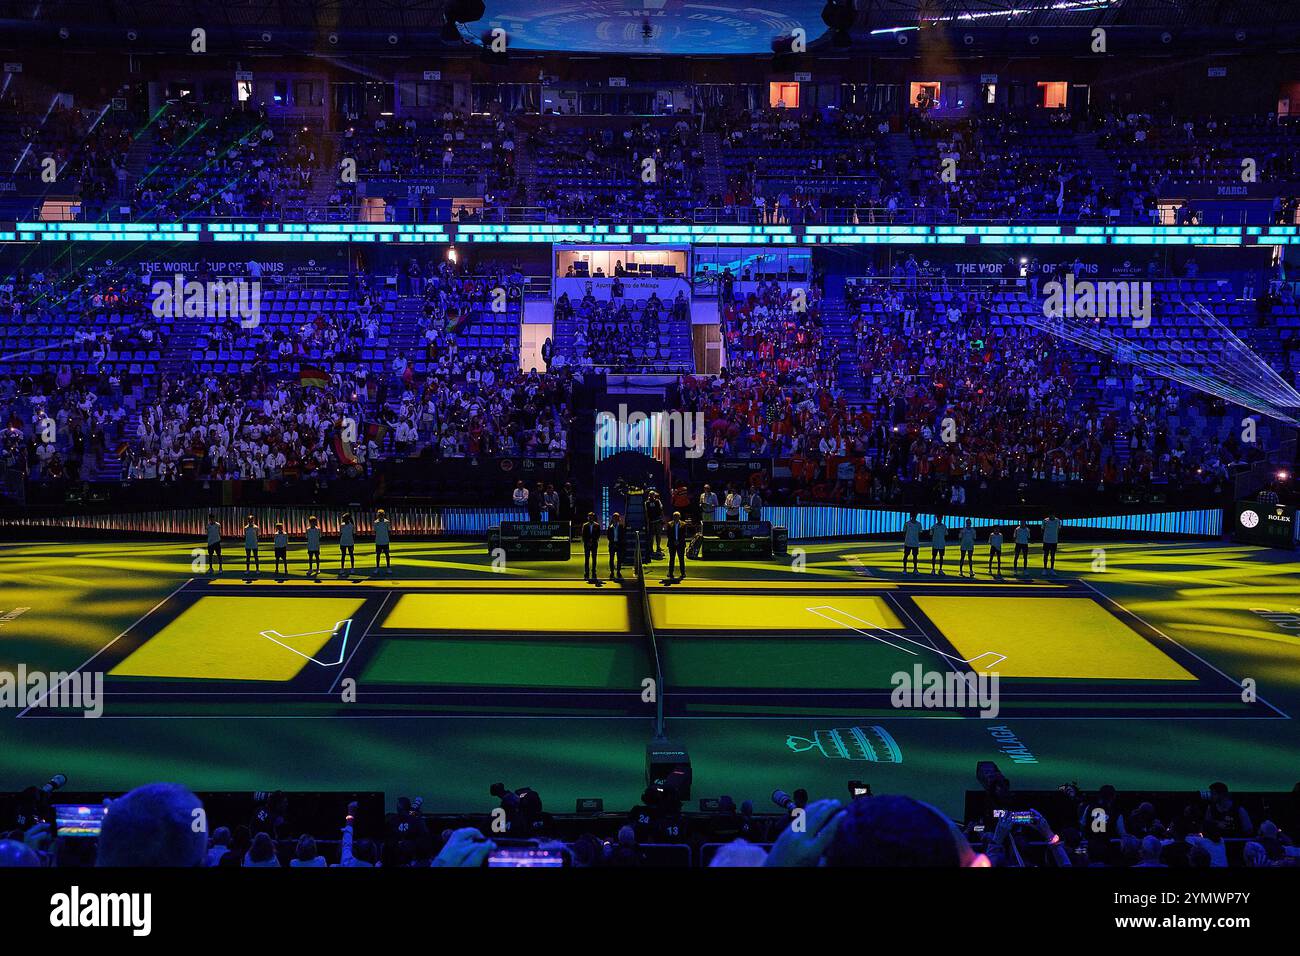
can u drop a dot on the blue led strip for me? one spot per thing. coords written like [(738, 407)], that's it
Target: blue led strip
[(192, 521), (827, 521), (655, 233), (802, 521)]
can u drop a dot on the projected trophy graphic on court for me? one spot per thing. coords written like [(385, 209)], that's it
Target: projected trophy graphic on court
[(872, 743)]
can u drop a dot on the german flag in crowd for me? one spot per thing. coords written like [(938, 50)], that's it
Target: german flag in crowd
[(343, 452), (311, 377)]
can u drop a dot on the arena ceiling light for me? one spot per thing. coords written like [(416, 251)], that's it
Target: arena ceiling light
[(1062, 6)]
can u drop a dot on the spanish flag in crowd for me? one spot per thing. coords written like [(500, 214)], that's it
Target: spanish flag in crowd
[(311, 377)]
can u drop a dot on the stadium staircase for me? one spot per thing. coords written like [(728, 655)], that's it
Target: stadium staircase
[(526, 168), (902, 154), (715, 177), (185, 337), (1096, 160), (837, 325), (325, 175), (110, 467), (404, 331), (137, 157)]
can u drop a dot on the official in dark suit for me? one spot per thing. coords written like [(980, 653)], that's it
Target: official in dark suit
[(568, 503), (614, 534), (679, 535), (591, 548)]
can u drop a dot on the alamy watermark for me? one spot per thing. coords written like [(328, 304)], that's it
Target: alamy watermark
[(214, 299), (921, 689), (1089, 299), (53, 690), (644, 432)]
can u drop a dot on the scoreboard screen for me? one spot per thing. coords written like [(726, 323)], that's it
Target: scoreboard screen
[(1256, 522)]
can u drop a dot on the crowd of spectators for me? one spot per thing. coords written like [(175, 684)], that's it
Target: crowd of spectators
[(774, 165), (997, 166), (958, 402), (618, 333), (237, 164), (639, 172), (67, 383), (57, 426), (775, 331), (777, 395), (220, 427), (152, 826), (520, 414), (1161, 153), (75, 150), (398, 158), (787, 167)]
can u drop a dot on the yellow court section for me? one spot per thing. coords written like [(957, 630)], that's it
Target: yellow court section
[(748, 610), (1073, 638), (219, 638), (495, 611)]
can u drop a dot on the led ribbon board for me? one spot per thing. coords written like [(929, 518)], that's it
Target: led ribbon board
[(654, 234)]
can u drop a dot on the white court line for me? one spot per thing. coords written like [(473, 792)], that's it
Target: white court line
[(997, 658), (1110, 600), (364, 634), (345, 626), (105, 647)]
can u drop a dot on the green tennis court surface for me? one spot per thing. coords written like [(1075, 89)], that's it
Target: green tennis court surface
[(770, 675)]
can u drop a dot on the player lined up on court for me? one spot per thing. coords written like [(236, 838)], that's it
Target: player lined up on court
[(250, 544), (381, 540), (995, 550), (1051, 535), (280, 541), (911, 542), (313, 545), (1021, 538), (966, 546), (347, 544), (913, 528), (938, 542), (214, 544)]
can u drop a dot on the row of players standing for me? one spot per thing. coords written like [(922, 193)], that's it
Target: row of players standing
[(280, 544), (913, 529)]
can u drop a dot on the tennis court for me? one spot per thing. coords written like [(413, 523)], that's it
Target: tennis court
[(756, 663)]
